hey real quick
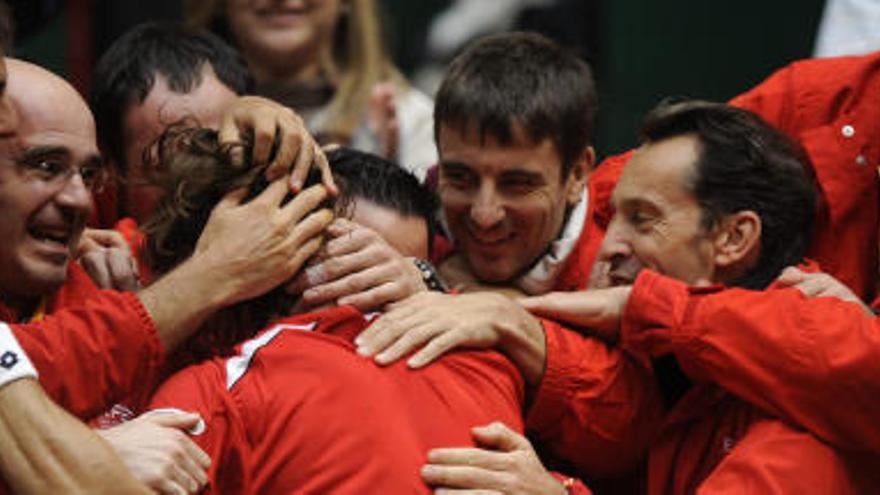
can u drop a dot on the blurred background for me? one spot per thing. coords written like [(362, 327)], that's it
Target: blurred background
[(640, 50)]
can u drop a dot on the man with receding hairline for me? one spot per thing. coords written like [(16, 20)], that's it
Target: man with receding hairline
[(91, 346)]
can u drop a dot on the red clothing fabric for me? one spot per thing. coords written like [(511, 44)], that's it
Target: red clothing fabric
[(596, 407), (715, 440), (300, 411), (136, 240), (93, 348), (832, 107), (819, 352)]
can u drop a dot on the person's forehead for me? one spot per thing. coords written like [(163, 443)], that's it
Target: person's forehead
[(659, 171), (64, 128), (485, 151), (162, 106)]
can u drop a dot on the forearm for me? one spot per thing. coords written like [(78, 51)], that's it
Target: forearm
[(181, 300), (45, 450), (523, 342), (597, 407), (794, 357)]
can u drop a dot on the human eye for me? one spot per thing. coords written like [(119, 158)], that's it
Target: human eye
[(91, 174), (637, 217), (44, 168), (458, 177), (518, 183)]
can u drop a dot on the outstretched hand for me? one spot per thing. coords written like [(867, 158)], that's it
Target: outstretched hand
[(505, 462), (598, 311)]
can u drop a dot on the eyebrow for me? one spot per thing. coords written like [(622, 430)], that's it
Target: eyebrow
[(453, 164), (40, 151), (46, 150)]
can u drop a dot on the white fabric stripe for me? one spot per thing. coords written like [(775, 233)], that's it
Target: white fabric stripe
[(14, 363), (542, 276), (237, 366)]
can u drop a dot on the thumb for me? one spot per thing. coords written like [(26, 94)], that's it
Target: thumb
[(232, 199), (790, 276), (175, 418), (498, 436)]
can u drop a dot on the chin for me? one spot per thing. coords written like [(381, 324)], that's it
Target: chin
[(45, 280), (485, 272)]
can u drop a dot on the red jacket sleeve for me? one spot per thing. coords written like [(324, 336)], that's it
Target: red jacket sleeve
[(202, 389), (813, 362), (597, 408), (94, 355)]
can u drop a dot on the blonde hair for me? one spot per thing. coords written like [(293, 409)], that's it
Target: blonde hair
[(359, 59)]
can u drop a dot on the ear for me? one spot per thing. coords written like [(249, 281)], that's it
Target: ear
[(578, 175), (737, 241)]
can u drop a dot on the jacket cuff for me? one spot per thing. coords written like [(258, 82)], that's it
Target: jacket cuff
[(157, 350)]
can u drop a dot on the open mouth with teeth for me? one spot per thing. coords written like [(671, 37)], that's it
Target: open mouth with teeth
[(55, 235)]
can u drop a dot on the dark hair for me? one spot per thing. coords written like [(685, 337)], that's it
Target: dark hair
[(196, 172), (126, 72), (7, 29), (745, 164), (525, 79), (371, 177)]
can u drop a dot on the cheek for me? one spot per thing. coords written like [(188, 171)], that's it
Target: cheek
[(455, 202)]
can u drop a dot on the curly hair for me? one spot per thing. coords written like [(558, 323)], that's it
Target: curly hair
[(196, 172)]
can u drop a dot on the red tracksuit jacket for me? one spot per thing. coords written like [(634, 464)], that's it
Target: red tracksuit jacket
[(297, 410), (718, 437), (94, 348)]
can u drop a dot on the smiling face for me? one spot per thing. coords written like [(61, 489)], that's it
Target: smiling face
[(44, 207), (504, 204), (658, 221), (282, 37)]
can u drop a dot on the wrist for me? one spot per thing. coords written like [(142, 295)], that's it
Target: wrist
[(430, 277), (14, 363), (181, 300), (525, 344)]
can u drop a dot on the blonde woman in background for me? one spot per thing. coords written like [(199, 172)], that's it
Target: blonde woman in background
[(327, 60)]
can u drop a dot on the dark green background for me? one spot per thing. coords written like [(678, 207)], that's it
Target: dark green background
[(647, 49)]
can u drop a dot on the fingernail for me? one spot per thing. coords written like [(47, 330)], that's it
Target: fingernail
[(363, 350)]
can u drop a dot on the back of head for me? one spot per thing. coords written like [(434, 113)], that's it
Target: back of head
[(525, 79), (127, 71), (367, 176), (745, 164), (195, 172)]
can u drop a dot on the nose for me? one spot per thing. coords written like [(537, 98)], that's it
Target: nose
[(487, 209), (75, 196), (616, 246)]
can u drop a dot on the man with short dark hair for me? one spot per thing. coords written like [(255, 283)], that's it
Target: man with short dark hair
[(155, 75), (713, 196), (514, 120)]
